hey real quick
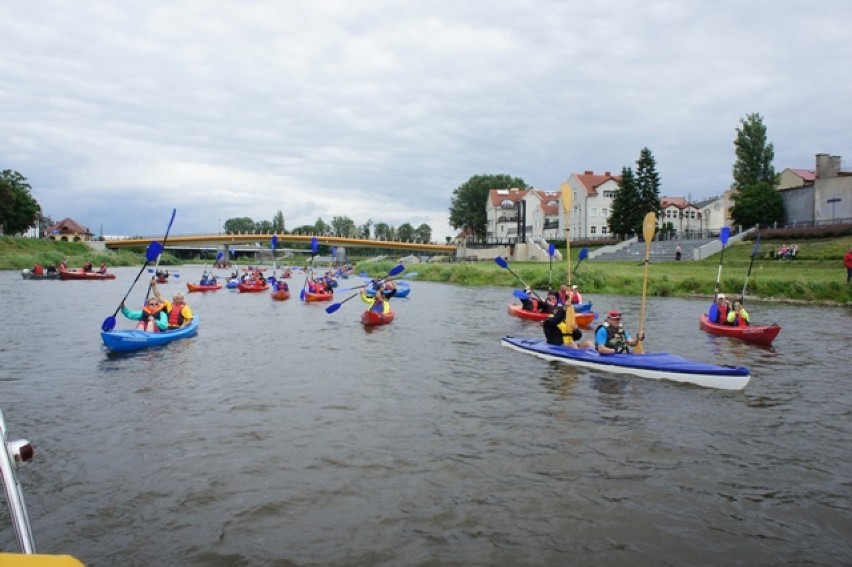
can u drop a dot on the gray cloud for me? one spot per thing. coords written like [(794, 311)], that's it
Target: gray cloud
[(118, 112)]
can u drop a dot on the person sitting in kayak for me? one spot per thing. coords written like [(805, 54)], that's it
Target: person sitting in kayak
[(718, 312), (38, 270), (87, 267), (611, 338), (102, 269), (549, 304), (556, 332), (177, 311), (152, 318), (530, 302), (738, 316), (575, 295), (378, 303)]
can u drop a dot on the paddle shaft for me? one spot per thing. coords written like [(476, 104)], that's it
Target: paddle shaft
[(649, 226), (160, 255), (750, 264)]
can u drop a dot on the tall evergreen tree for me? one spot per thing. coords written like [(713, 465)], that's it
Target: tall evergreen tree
[(754, 154), (647, 184), (625, 215), (756, 199)]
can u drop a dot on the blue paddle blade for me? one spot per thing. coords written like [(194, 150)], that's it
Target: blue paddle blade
[(302, 294), (219, 256), (501, 262), (584, 253), (334, 251), (154, 250), (399, 268), (551, 249), (756, 246), (314, 244), (332, 308), (274, 241), (108, 324), (520, 294), (725, 234)]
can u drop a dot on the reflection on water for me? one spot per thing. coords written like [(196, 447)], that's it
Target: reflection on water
[(284, 434)]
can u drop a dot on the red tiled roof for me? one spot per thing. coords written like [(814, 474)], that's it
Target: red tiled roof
[(68, 226), (805, 174), (514, 194), (591, 180)]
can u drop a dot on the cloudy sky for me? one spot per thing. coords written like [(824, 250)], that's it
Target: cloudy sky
[(119, 111)]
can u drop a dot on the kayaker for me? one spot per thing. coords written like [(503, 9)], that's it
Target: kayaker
[(738, 316), (575, 295), (611, 338), (177, 311), (152, 318), (377, 303), (556, 332), (563, 295), (847, 261), (718, 312), (102, 269)]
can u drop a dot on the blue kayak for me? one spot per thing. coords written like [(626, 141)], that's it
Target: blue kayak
[(402, 290), (131, 339), (654, 365)]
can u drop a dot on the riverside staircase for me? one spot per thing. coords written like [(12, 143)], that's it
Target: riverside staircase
[(661, 250)]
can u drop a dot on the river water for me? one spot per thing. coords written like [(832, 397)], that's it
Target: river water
[(283, 435)]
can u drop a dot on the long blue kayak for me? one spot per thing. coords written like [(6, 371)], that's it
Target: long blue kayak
[(131, 339), (654, 365), (402, 290)]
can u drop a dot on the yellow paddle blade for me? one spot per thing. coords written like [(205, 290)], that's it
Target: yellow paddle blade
[(649, 227)]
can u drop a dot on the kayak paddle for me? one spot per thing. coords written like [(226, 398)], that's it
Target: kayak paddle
[(314, 248), (723, 236), (750, 264), (151, 254), (649, 226), (394, 271), (505, 265), (165, 238)]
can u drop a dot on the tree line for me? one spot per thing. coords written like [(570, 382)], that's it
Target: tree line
[(755, 195), (340, 226)]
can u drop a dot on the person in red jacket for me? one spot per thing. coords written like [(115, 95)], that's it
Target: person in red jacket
[(848, 261)]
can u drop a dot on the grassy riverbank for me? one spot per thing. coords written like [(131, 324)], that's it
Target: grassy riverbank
[(817, 275)]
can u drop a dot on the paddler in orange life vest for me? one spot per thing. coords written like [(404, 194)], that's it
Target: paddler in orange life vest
[(177, 311), (152, 318)]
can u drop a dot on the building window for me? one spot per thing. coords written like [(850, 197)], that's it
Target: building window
[(603, 230), (507, 204), (593, 230), (609, 194), (593, 211), (604, 212)]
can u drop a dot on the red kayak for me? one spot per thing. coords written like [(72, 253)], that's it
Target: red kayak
[(759, 334), (371, 318), (198, 287), (81, 274), (252, 287), (311, 296), (281, 295), (583, 319)]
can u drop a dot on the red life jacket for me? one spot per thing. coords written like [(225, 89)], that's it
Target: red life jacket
[(176, 316)]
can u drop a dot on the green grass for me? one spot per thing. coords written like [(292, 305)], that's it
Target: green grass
[(817, 275)]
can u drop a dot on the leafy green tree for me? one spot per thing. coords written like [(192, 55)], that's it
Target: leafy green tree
[(384, 231), (263, 227), (756, 199), (278, 223), (320, 228), (305, 229), (423, 233), (405, 232), (468, 205), (625, 216), (647, 184), (240, 225), (343, 227), (364, 229), (18, 209), (758, 204)]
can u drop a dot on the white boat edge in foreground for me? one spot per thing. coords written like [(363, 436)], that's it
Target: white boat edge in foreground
[(720, 382)]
